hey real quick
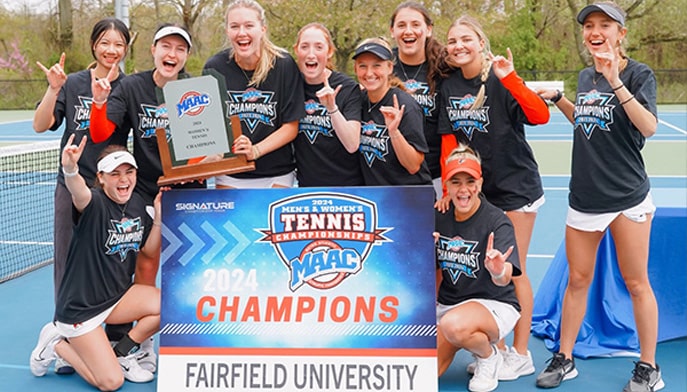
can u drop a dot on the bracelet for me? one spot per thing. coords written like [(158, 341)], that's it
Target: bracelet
[(99, 102), (627, 100), (501, 275), (256, 152), (70, 174), (557, 97), (157, 223), (336, 110), (619, 87)]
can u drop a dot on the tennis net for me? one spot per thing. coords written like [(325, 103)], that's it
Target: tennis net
[(27, 187)]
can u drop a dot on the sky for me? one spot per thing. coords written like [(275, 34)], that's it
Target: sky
[(36, 5)]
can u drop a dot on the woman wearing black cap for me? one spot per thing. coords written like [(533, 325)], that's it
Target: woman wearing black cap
[(613, 113), (476, 301), (392, 144)]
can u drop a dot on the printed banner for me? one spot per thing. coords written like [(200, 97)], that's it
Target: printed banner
[(298, 289)]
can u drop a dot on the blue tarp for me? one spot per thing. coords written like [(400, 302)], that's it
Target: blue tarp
[(608, 327)]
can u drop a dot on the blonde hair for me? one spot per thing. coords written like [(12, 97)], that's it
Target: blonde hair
[(463, 152), (268, 51), (327, 37), (475, 26), (394, 81)]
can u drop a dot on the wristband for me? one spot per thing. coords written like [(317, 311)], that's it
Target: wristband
[(103, 102), (256, 152), (557, 97), (627, 100), (336, 110), (619, 87), (70, 174), (501, 275)]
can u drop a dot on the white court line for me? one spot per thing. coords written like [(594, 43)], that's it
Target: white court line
[(26, 243), (673, 127), (536, 256)]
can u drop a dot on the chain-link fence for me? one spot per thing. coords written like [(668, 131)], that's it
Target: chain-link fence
[(20, 94)]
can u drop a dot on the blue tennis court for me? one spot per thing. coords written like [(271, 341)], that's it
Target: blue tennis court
[(27, 300)]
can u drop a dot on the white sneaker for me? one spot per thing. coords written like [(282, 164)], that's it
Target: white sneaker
[(133, 371), (470, 368), (486, 373), (62, 366), (44, 353), (515, 365), (146, 356)]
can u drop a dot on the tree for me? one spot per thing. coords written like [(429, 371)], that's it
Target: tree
[(66, 34)]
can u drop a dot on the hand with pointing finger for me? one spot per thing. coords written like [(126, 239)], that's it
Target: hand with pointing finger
[(55, 75), (100, 88), (392, 117), (502, 66), (327, 96)]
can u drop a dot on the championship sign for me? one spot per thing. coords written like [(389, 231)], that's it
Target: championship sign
[(300, 289)]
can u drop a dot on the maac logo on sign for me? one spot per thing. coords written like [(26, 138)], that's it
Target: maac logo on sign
[(192, 103), (323, 238)]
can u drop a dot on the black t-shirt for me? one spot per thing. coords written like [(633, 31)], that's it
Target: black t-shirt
[(497, 132), (263, 108), (321, 159), (414, 78), (102, 256), (379, 163), (74, 105), (608, 172), (460, 255)]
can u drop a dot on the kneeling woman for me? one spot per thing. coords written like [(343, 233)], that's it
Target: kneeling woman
[(476, 302), (112, 228)]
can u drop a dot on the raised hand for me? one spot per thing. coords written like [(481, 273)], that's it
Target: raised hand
[(72, 153), (327, 96), (100, 87), (502, 66), (55, 75), (392, 117), (607, 62), (494, 260)]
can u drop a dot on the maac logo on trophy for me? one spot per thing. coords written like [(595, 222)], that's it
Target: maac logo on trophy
[(323, 238)]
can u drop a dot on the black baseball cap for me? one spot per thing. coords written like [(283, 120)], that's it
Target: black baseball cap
[(610, 10), (371, 47)]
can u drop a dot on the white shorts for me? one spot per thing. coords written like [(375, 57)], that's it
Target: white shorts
[(532, 207), (584, 221), (79, 329), (505, 315), (285, 181)]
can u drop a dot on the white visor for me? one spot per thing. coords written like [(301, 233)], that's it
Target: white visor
[(113, 160), (172, 30)]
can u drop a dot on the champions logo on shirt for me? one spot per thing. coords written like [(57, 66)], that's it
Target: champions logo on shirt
[(420, 92), (253, 107), (82, 113), (593, 111), (316, 122), (457, 256), (152, 117), (373, 142), (126, 235), (192, 103), (465, 119), (323, 238)]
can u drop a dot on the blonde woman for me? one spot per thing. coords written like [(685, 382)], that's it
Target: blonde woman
[(613, 114), (392, 143), (265, 90), (486, 105)]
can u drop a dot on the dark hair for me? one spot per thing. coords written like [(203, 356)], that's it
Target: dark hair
[(105, 25), (433, 48), (105, 152), (163, 25)]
